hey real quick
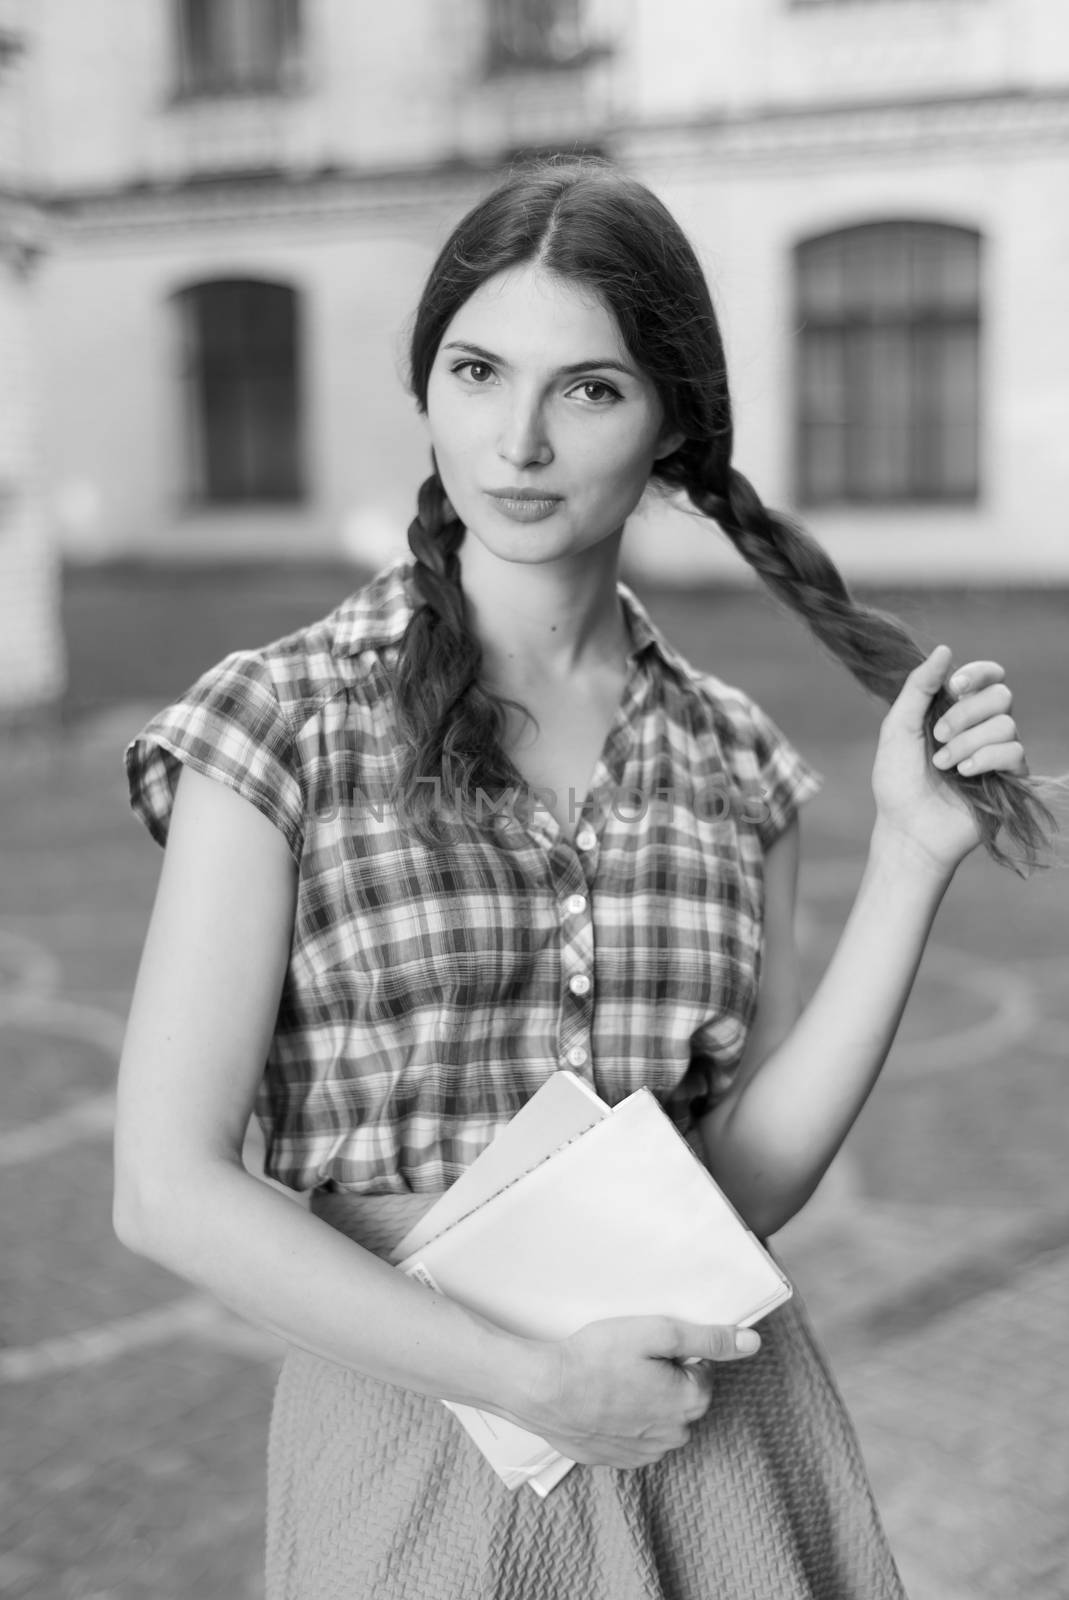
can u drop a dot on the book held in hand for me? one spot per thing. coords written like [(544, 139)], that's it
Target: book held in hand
[(583, 1211)]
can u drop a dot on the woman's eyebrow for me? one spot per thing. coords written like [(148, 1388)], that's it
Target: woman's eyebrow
[(572, 367)]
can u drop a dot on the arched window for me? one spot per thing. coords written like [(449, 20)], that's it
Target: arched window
[(240, 343), (887, 394)]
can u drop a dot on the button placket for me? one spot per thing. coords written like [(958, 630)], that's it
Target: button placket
[(577, 965)]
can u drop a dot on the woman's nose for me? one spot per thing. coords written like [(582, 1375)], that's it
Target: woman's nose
[(523, 441)]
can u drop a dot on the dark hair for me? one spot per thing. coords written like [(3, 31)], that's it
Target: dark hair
[(586, 221)]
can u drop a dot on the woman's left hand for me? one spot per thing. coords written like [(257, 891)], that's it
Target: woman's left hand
[(976, 735)]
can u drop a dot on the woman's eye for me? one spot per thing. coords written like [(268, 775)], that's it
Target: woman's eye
[(477, 371), (598, 393)]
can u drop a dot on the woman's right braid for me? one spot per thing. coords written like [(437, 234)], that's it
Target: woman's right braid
[(872, 644)]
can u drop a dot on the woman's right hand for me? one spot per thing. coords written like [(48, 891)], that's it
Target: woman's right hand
[(616, 1393)]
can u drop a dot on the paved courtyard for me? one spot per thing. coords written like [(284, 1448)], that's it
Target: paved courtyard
[(934, 1259)]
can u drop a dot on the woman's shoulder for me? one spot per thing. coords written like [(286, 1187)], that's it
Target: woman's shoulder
[(312, 662), (736, 712), (761, 758), (731, 728), (249, 719), (302, 668), (727, 707)]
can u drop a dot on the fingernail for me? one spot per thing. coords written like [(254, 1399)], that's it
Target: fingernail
[(941, 731), (967, 765), (941, 758), (960, 682), (746, 1341)]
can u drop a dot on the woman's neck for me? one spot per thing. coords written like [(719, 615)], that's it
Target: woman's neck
[(555, 620)]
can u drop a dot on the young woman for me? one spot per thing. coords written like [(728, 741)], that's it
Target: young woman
[(399, 872)]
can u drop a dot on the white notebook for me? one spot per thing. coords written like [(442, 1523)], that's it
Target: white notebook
[(562, 1108), (619, 1219)]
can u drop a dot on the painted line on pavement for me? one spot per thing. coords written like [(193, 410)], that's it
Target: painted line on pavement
[(982, 1275), (91, 1118), (35, 971), (193, 1316), (92, 1347), (67, 1019), (1007, 998), (1010, 1012)]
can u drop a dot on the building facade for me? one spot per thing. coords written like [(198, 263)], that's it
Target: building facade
[(32, 661), (244, 196)]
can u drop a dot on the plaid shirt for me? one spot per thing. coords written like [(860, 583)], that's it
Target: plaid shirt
[(431, 990)]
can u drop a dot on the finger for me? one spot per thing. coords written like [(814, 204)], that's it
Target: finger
[(995, 731), (1008, 757), (974, 708), (975, 675), (699, 1401), (920, 686), (699, 1375), (682, 1339)]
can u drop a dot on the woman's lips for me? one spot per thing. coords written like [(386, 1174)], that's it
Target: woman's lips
[(525, 507)]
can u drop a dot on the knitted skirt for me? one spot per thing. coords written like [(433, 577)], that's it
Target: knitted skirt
[(376, 1493)]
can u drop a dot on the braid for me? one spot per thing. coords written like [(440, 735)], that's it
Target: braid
[(452, 728), (873, 645), (434, 539)]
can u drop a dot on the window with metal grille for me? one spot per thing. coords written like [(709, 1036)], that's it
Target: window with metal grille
[(888, 346), (240, 350), (238, 46), (536, 33)]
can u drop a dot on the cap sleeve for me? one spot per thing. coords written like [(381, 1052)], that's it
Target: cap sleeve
[(229, 725), (785, 778), (770, 773)]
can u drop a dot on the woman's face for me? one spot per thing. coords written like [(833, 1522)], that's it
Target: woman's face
[(543, 427)]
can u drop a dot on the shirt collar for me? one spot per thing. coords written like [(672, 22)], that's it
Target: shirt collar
[(375, 618), (647, 637)]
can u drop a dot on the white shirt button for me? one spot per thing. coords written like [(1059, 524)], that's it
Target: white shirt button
[(586, 839), (580, 984), (576, 1056), (575, 903)]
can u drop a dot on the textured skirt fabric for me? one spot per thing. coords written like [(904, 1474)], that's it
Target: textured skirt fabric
[(376, 1493)]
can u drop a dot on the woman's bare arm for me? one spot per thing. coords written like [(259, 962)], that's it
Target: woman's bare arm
[(773, 1136), (806, 1074), (201, 1021), (200, 1026)]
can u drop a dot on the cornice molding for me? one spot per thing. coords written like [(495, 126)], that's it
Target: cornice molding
[(1011, 121), (412, 201), (416, 200)]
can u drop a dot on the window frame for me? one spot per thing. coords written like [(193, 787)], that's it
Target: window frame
[(921, 330), (503, 61), (249, 412), (194, 79)]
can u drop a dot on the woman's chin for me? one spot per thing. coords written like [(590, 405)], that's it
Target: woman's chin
[(533, 544)]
